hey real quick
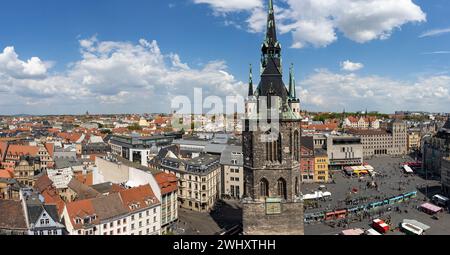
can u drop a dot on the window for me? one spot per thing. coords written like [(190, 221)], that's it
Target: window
[(264, 188), (105, 226), (148, 222), (148, 212), (140, 215), (154, 219), (111, 224), (132, 217), (154, 210), (111, 232), (132, 226), (154, 229), (282, 189)]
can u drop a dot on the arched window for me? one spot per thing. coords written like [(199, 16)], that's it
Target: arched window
[(264, 188), (282, 190), (296, 186)]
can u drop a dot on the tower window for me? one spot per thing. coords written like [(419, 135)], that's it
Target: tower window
[(282, 191), (264, 188)]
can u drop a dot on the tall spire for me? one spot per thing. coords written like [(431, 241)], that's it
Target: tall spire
[(271, 34), (292, 92), (271, 48), (250, 82)]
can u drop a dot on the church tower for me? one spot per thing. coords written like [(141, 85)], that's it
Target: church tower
[(272, 203)]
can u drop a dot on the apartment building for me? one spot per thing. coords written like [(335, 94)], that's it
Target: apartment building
[(198, 180)]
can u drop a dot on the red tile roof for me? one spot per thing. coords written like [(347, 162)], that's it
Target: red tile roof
[(6, 174), (167, 182), (81, 209), (71, 137), (3, 149), (52, 197), (22, 150), (139, 196), (50, 147)]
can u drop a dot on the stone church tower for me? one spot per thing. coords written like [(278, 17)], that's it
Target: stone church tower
[(272, 203)]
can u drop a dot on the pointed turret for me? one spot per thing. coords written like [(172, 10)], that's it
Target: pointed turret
[(292, 92), (250, 83)]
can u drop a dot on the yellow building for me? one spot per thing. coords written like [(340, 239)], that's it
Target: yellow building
[(321, 162), (413, 141)]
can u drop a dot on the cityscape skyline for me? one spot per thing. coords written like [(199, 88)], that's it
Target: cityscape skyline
[(106, 66)]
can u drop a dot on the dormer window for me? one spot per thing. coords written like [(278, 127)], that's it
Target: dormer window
[(78, 221)]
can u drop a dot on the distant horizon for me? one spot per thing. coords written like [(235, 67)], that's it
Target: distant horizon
[(162, 113)]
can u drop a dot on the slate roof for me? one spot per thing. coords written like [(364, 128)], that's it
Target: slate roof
[(35, 211)]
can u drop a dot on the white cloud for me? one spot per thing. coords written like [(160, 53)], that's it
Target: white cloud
[(437, 52), (325, 90), (435, 32), (130, 77), (11, 65), (351, 66), (231, 5), (316, 22)]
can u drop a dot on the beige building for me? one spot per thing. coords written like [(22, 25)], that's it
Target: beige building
[(198, 180), (25, 169), (362, 122), (232, 164), (390, 141), (414, 141), (344, 151)]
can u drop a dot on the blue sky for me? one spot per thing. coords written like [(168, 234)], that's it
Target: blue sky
[(398, 54)]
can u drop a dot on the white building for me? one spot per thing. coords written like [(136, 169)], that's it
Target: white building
[(134, 211)]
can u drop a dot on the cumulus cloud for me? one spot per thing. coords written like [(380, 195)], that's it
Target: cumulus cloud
[(325, 90), (11, 65), (316, 23), (231, 5), (134, 76), (351, 66)]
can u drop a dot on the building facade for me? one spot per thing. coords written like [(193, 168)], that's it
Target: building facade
[(138, 149), (307, 159), (362, 122), (344, 151), (435, 148), (232, 163), (321, 173), (391, 141), (414, 141), (445, 175), (134, 211), (199, 179)]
